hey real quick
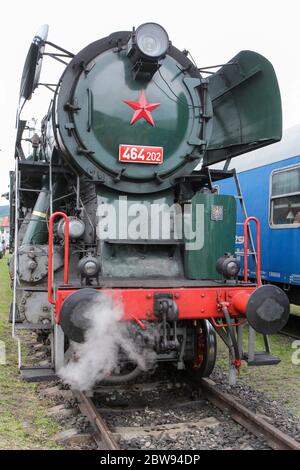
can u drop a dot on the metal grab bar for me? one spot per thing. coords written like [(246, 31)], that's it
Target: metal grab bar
[(258, 272), (50, 253)]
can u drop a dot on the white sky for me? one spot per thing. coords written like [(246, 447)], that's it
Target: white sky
[(212, 31)]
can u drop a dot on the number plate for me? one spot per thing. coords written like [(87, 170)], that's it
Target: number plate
[(140, 154)]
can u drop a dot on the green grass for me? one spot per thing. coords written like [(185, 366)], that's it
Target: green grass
[(295, 310), (280, 382), (24, 423)]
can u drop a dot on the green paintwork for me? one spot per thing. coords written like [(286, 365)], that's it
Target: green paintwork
[(156, 260), (246, 105), (37, 230), (103, 122), (219, 236), (140, 260)]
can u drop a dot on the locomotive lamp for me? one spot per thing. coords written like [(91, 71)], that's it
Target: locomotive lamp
[(147, 45), (228, 266), (89, 266)]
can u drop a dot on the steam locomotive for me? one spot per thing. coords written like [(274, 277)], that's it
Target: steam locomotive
[(118, 198)]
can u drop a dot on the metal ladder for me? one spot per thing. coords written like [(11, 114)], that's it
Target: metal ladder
[(240, 198), (252, 357), (35, 372)]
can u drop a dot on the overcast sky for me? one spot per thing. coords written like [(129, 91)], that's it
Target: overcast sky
[(212, 31)]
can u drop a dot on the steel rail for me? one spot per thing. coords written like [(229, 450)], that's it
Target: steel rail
[(103, 436), (257, 425), (254, 423)]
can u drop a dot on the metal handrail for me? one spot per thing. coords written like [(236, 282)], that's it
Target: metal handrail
[(258, 271), (50, 253)]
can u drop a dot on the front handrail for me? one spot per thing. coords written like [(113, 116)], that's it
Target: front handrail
[(258, 271), (50, 253)]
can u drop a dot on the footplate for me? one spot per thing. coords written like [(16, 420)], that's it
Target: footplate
[(37, 373), (262, 359)]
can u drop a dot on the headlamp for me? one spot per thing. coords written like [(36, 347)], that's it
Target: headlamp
[(147, 45), (89, 266), (228, 266), (152, 40)]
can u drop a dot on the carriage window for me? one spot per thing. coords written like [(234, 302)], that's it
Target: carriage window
[(285, 197)]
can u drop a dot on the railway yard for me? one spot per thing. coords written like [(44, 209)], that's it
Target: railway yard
[(149, 234), (166, 411), (145, 302)]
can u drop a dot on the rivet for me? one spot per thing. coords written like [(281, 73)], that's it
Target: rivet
[(177, 295), (149, 296), (202, 295)]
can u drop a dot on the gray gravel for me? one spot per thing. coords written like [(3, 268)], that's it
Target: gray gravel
[(165, 406), (177, 402), (258, 402)]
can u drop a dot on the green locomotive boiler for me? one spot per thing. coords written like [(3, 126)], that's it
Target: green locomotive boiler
[(119, 199)]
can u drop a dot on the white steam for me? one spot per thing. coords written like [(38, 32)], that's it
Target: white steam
[(97, 357)]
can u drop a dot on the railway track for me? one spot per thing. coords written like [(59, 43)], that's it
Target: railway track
[(107, 437), (102, 435), (255, 424)]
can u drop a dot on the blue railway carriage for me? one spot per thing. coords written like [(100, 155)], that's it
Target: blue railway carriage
[(270, 184)]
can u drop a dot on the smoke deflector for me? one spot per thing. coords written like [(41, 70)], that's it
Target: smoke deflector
[(246, 107)]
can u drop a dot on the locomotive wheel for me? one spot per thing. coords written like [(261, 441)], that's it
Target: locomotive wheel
[(206, 351)]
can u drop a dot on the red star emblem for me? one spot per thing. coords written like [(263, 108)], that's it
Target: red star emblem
[(142, 109)]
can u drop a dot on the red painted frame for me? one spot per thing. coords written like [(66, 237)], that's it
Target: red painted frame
[(138, 303), (193, 302), (50, 253)]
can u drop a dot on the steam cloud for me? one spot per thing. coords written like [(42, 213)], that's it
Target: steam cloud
[(97, 357)]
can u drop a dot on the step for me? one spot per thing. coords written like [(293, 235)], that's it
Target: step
[(37, 373), (33, 326), (262, 359)]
